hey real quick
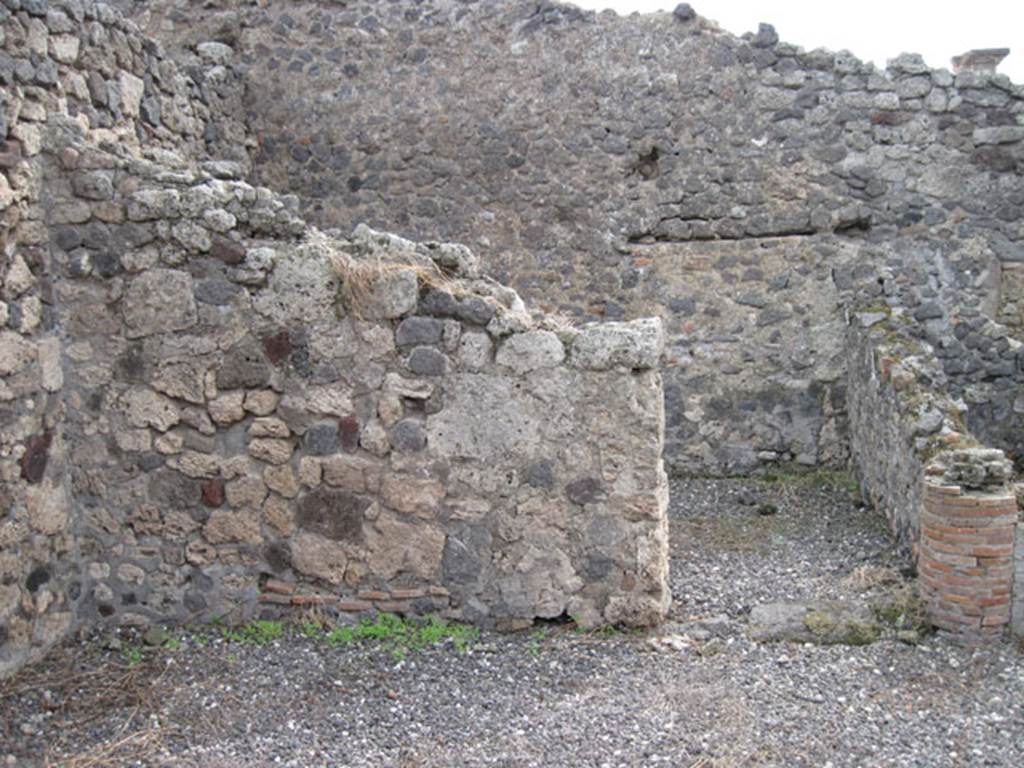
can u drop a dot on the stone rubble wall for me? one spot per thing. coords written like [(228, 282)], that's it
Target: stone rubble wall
[(900, 419), (625, 166), (79, 65), (211, 409), (368, 421)]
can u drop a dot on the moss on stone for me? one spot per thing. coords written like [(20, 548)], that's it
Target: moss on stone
[(901, 609), (836, 629)]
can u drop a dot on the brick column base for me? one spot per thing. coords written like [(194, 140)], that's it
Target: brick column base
[(965, 560)]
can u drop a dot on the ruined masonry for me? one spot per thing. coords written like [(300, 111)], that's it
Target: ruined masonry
[(227, 390)]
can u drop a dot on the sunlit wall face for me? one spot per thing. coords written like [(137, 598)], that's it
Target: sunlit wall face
[(875, 30)]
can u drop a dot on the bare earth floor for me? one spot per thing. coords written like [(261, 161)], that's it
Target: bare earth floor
[(695, 694)]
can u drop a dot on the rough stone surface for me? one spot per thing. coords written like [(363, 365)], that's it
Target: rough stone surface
[(740, 188), (158, 302), (827, 254), (526, 352)]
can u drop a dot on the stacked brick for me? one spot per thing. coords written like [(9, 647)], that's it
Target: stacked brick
[(965, 560), (403, 601)]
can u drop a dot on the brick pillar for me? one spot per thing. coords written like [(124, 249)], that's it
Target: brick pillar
[(965, 560)]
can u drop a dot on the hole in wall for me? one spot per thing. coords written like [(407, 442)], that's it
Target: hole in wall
[(646, 165)]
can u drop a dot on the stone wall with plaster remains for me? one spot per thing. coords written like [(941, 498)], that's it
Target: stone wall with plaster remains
[(213, 409), (619, 167)]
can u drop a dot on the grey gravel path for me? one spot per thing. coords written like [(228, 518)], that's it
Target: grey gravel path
[(554, 697)]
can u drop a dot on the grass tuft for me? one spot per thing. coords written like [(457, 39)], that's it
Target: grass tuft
[(362, 281), (400, 636), (257, 632)]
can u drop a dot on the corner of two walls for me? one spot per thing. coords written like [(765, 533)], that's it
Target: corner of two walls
[(66, 68), (949, 501)]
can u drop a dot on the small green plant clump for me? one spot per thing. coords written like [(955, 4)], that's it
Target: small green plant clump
[(259, 632), (400, 636), (829, 628), (537, 637)]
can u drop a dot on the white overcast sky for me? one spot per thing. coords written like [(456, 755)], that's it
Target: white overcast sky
[(875, 30)]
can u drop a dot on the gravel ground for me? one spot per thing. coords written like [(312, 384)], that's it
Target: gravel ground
[(697, 695)]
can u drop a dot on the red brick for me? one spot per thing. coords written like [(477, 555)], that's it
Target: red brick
[(373, 594), (989, 551), (946, 619), (270, 597), (314, 599), (989, 602), (280, 587), (943, 557), (953, 548), (353, 606), (408, 594)]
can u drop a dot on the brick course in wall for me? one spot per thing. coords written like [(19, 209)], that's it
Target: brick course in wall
[(966, 560)]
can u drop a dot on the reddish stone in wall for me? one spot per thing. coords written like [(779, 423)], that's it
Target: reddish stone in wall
[(10, 153), (348, 432), (228, 251), (213, 492), (37, 454), (277, 346)]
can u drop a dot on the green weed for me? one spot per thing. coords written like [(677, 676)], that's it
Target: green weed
[(400, 636), (133, 656), (536, 638), (259, 632)]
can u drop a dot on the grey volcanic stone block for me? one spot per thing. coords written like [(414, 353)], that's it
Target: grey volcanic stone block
[(336, 515), (427, 361), (322, 438), (408, 435), (414, 331), (684, 12), (245, 365)]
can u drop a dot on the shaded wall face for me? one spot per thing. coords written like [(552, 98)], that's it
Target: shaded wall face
[(38, 578), (63, 67), (561, 144)]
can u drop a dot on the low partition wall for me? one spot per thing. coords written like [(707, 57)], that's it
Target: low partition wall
[(264, 412), (210, 409), (949, 501)]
